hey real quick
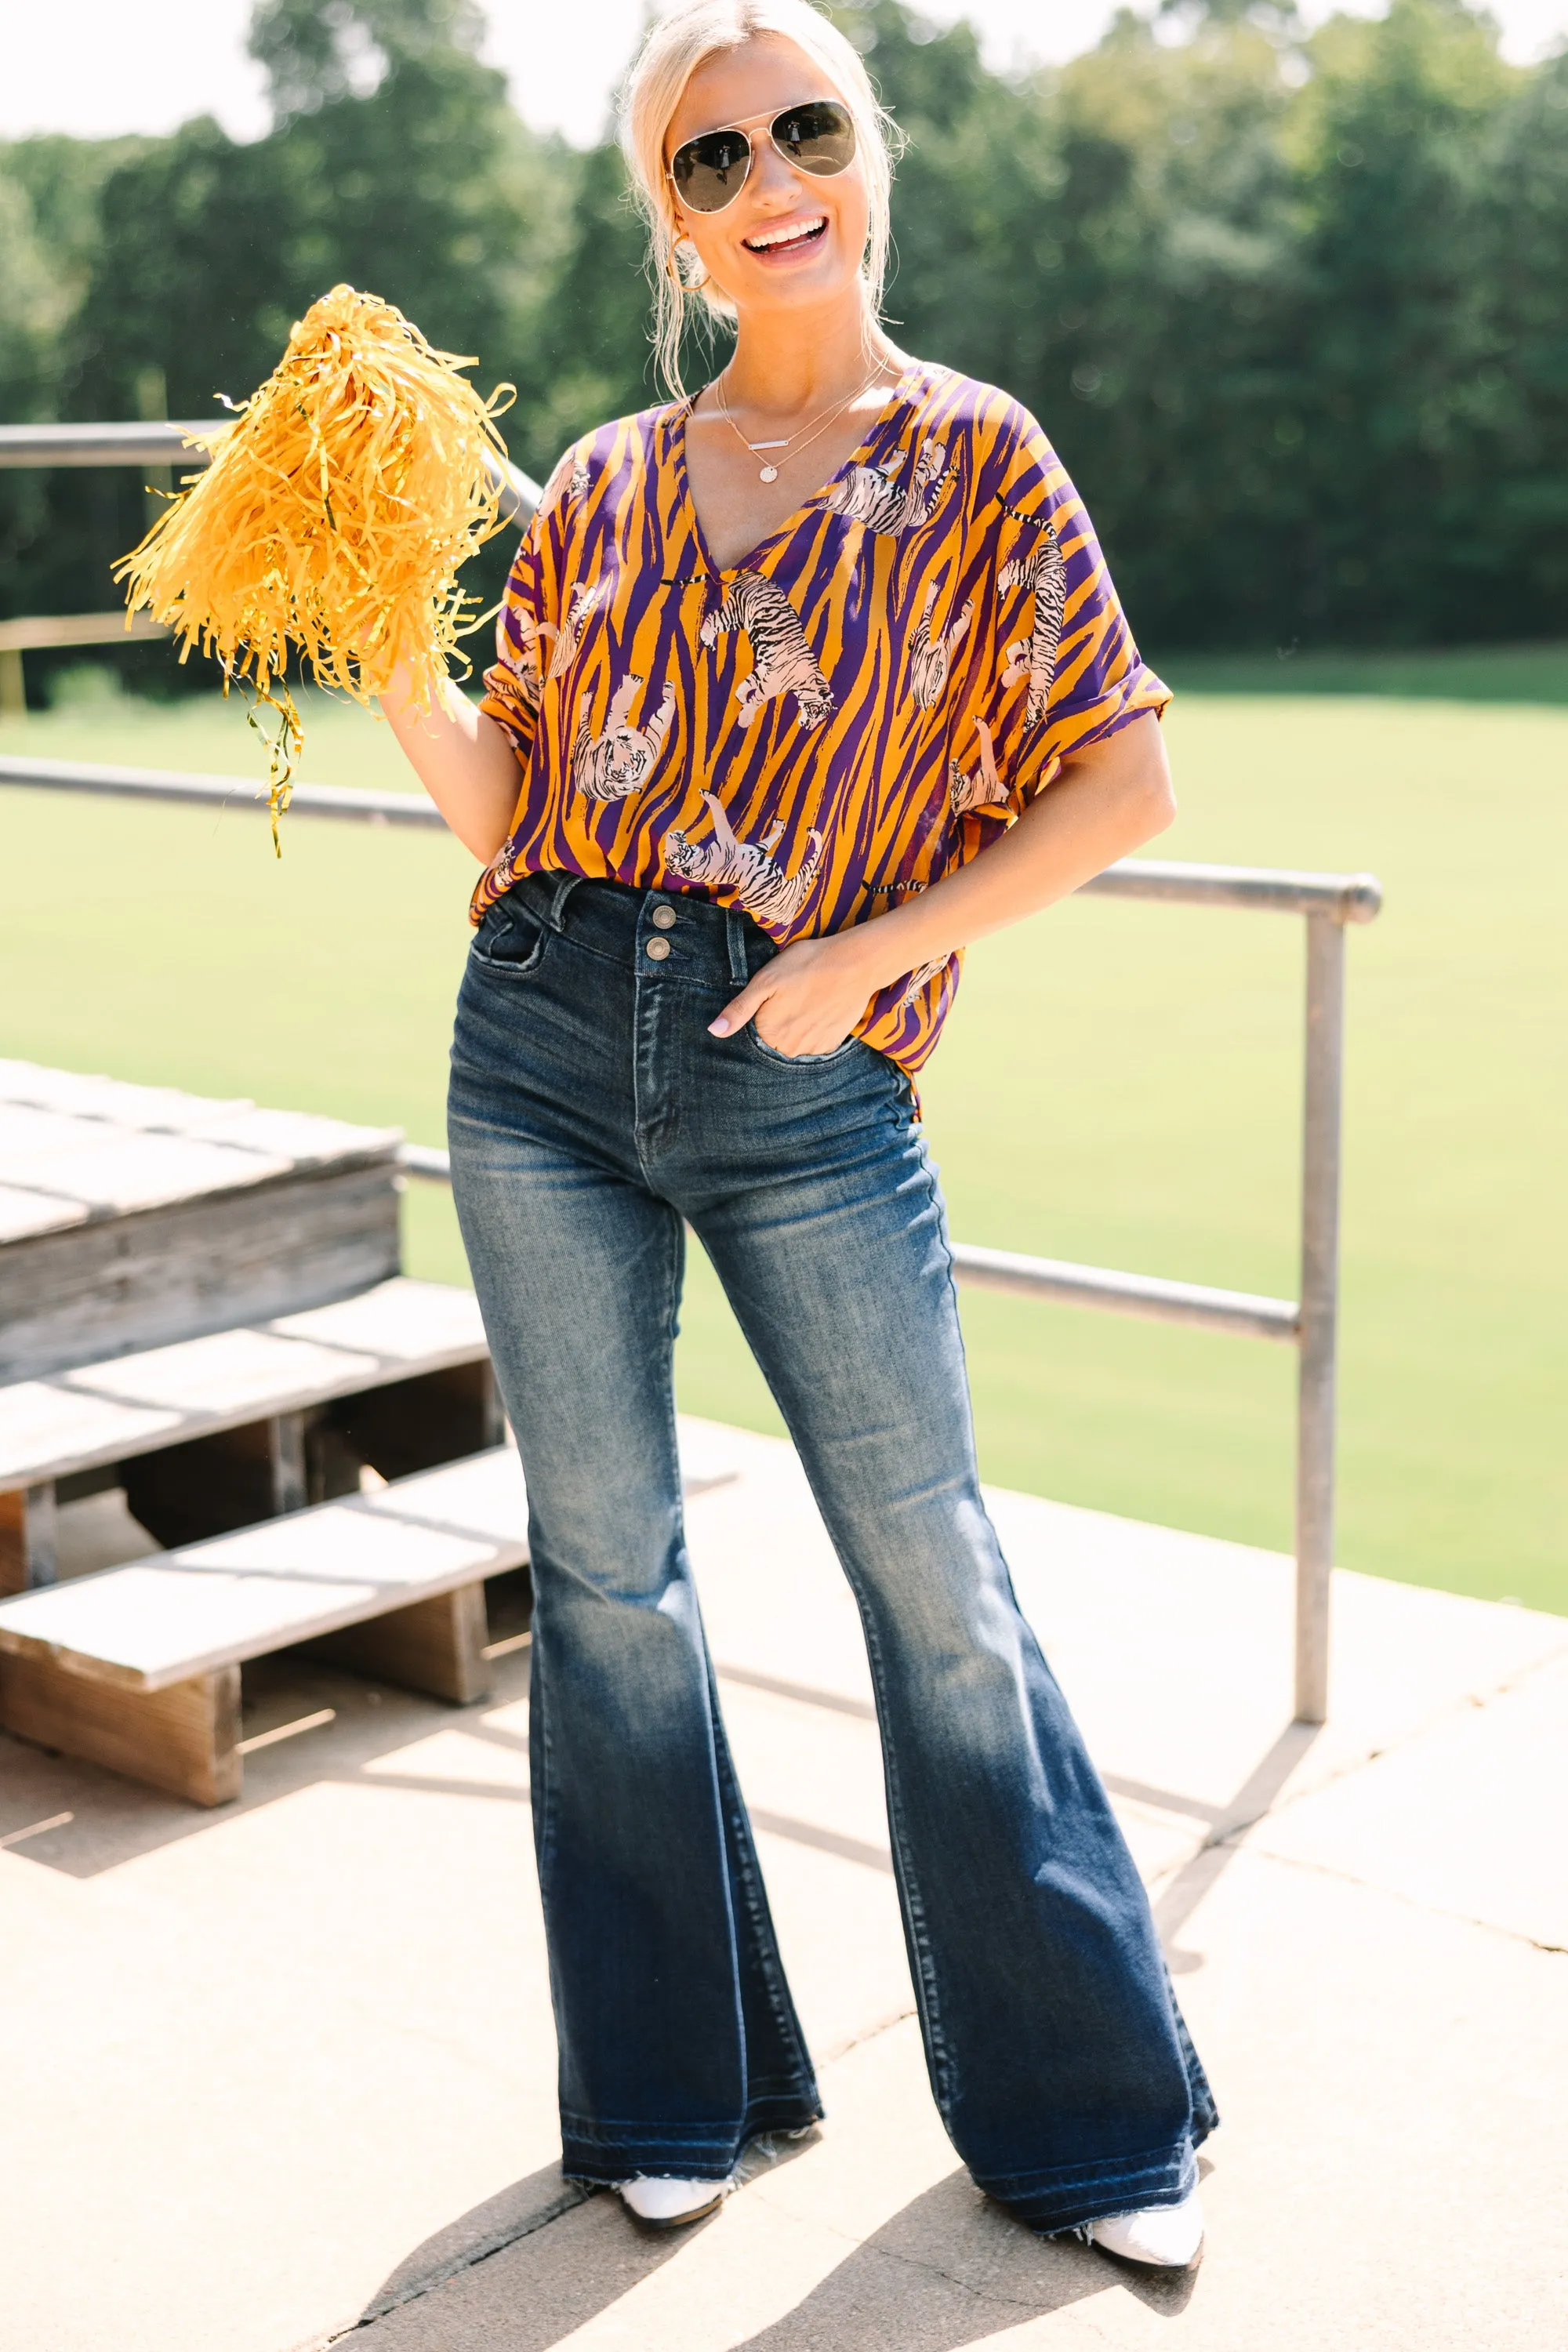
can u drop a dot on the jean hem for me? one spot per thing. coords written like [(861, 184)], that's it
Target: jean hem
[(601, 2157), (1070, 2195)]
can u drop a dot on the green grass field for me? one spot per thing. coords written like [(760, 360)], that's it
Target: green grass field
[(1119, 1083)]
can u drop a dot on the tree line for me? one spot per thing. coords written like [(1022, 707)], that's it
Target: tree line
[(1293, 307)]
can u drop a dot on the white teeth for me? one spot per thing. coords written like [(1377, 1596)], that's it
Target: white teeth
[(788, 235)]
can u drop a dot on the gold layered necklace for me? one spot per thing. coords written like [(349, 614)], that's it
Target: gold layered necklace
[(769, 471)]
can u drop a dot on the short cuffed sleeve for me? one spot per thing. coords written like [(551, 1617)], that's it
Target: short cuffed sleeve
[(528, 619), (1062, 669)]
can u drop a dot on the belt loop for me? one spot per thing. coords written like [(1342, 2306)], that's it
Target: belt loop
[(556, 911), (735, 937)]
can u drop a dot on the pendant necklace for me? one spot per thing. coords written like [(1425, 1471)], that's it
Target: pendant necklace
[(769, 471)]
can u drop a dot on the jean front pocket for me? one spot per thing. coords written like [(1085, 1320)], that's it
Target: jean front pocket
[(511, 940), (803, 1061)]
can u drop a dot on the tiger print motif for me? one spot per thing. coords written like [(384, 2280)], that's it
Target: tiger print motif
[(783, 661), (1043, 574), (770, 896), (984, 788), (522, 659), (503, 873), (823, 694), (873, 495), (607, 767), (569, 634), (930, 659), (918, 979)]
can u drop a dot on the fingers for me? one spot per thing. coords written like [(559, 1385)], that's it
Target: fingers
[(742, 1008)]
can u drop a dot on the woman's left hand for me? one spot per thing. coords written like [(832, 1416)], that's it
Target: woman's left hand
[(1107, 801), (806, 999)]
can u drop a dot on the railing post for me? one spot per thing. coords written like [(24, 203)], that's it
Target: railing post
[(1320, 1311)]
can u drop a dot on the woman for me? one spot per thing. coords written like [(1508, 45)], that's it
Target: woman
[(785, 673)]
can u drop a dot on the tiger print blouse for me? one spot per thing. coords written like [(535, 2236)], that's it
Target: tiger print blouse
[(837, 722)]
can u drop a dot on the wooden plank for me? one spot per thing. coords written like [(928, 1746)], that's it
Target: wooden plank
[(113, 1174), (87, 1095), (28, 1129), (263, 1470), (30, 633), (420, 1324), (307, 1138), (111, 1170), (436, 1646), (303, 1138), (106, 1412), (416, 1424), (104, 1289), (160, 1620), (183, 1739), (23, 1213), (29, 1535)]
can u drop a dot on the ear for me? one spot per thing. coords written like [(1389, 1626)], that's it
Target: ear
[(685, 263)]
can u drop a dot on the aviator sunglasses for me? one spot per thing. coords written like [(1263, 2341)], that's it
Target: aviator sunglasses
[(709, 171)]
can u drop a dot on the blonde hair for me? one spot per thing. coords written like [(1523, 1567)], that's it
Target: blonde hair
[(686, 38)]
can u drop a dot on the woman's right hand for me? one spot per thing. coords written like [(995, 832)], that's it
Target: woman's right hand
[(462, 757)]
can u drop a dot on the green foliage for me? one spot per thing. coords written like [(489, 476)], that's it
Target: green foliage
[(1292, 307), (396, 162), (1269, 297)]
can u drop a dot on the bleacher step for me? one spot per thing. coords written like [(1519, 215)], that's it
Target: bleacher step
[(138, 1666), (191, 1393)]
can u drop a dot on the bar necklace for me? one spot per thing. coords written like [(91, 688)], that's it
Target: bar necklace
[(769, 471)]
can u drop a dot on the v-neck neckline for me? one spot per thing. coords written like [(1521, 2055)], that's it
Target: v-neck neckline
[(897, 394)]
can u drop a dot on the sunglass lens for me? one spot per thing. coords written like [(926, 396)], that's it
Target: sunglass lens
[(710, 173), (818, 138)]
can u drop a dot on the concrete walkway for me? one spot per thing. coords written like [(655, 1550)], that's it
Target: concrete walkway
[(285, 2073)]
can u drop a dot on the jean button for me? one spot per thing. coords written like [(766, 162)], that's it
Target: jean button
[(657, 949), (664, 917)]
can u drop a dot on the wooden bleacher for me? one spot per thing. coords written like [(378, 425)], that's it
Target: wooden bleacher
[(242, 1425), (138, 1667), (199, 1303), (325, 1471), (132, 1215)]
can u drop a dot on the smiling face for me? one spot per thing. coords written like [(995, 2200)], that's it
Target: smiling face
[(790, 240)]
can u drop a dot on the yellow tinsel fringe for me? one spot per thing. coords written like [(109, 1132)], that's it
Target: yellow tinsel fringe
[(340, 502)]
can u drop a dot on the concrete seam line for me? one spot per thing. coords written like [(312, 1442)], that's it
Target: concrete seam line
[(1226, 1831), (934, 2270), (867, 2033), (567, 2202), (1410, 1901)]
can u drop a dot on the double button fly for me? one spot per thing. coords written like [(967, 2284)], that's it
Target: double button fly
[(664, 919)]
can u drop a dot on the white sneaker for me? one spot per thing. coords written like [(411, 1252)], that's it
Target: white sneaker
[(1165, 2238), (669, 2204)]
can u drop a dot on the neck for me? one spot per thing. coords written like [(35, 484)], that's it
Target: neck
[(787, 362)]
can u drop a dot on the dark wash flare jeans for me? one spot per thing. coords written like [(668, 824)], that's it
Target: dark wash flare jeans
[(590, 1113)]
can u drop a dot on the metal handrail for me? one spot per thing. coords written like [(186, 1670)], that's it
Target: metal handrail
[(1328, 902), (167, 444), (238, 793), (1276, 891)]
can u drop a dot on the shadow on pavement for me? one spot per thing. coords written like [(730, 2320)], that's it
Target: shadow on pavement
[(952, 2269), (480, 2281), (97, 1821), (527, 2270), (1176, 1902)]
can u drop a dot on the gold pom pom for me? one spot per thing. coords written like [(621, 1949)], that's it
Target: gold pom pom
[(338, 506)]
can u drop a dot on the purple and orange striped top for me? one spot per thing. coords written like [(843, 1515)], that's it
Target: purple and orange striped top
[(818, 733)]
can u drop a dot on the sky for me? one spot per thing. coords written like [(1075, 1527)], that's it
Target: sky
[(98, 66)]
